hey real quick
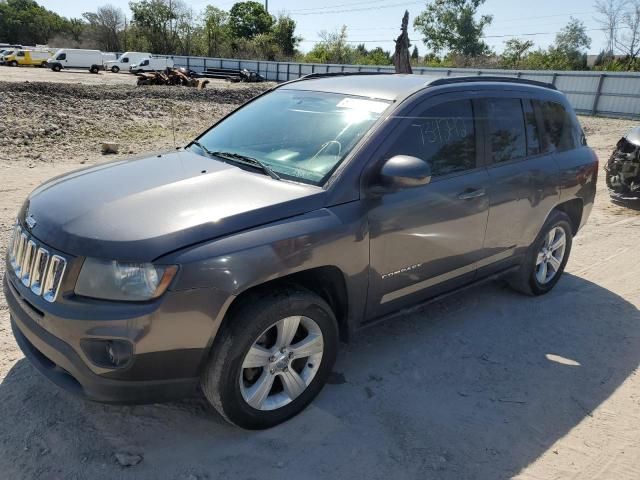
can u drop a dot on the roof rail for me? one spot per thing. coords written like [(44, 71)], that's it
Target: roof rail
[(488, 78), (311, 76)]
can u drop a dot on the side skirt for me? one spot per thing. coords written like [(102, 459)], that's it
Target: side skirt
[(421, 305)]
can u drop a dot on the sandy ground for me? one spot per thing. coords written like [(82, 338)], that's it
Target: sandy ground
[(484, 385)]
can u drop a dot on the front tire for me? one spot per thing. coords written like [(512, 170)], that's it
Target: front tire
[(115, 69), (272, 358), (56, 68), (546, 258)]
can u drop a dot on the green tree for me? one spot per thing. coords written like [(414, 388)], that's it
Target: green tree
[(248, 19), (25, 22), (216, 29), (572, 42), (451, 26), (332, 48), (157, 21), (415, 55), (515, 51), (284, 35)]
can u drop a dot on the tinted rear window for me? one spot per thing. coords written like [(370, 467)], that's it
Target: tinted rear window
[(506, 129), (558, 127)]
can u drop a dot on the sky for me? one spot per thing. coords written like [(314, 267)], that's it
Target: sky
[(377, 22)]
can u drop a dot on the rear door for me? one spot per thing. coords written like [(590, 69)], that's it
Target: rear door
[(426, 239), (523, 176)]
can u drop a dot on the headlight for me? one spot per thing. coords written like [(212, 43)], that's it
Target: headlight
[(112, 280)]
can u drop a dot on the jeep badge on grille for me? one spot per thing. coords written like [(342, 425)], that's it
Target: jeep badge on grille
[(30, 221)]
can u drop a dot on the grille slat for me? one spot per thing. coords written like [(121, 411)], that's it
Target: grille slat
[(27, 263), (40, 265), (35, 267)]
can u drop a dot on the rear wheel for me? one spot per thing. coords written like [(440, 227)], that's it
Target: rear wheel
[(272, 359), (94, 69), (548, 255)]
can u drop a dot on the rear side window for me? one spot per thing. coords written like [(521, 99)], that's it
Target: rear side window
[(506, 129), (443, 135), (558, 127)]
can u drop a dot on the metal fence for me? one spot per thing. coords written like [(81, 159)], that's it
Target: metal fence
[(591, 93)]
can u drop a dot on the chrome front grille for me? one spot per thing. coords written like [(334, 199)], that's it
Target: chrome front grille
[(35, 266)]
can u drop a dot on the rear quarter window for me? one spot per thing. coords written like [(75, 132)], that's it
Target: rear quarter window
[(559, 130)]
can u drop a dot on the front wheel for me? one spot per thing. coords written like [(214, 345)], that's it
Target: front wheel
[(115, 69), (272, 358), (56, 68), (548, 255), (13, 63)]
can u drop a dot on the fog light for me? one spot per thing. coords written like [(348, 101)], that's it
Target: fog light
[(119, 353), (107, 353)]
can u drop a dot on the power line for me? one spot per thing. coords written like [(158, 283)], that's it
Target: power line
[(484, 36), (361, 9), (337, 6)]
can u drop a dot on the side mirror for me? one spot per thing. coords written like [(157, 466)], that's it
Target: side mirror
[(403, 171)]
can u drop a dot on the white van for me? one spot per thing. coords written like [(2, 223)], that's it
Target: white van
[(76, 58), (151, 65), (125, 61)]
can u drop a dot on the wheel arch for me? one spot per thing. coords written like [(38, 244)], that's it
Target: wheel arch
[(573, 208), (328, 282)]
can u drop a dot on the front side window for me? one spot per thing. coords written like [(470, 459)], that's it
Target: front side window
[(125, 60), (558, 127), (20, 54), (300, 135), (443, 135), (506, 129), (62, 56)]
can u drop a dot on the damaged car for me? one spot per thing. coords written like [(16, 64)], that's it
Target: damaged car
[(623, 168)]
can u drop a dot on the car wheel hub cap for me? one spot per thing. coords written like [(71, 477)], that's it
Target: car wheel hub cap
[(551, 255), (281, 363)]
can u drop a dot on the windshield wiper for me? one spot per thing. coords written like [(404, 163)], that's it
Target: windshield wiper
[(253, 162), (202, 147)]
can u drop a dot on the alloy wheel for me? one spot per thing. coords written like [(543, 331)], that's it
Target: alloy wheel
[(551, 255), (281, 363)]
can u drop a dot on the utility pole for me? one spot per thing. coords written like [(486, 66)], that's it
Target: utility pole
[(266, 5)]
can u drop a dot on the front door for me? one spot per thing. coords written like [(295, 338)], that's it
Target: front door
[(427, 239)]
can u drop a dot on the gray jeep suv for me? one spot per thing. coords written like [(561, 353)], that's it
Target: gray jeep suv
[(238, 263)]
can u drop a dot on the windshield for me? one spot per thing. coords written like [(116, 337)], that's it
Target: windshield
[(301, 135)]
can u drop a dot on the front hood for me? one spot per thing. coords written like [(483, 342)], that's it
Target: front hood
[(633, 136), (138, 210)]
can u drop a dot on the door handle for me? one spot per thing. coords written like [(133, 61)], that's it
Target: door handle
[(470, 193)]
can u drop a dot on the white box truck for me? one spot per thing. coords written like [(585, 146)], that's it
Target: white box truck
[(76, 58), (151, 65), (125, 61)]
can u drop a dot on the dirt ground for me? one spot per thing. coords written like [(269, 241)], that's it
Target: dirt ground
[(484, 385)]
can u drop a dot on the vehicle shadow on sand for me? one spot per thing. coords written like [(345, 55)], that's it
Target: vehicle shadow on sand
[(475, 386)]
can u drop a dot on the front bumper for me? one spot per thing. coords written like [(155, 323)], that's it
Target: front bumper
[(171, 341)]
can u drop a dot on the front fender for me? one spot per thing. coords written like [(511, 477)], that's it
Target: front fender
[(336, 236)]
